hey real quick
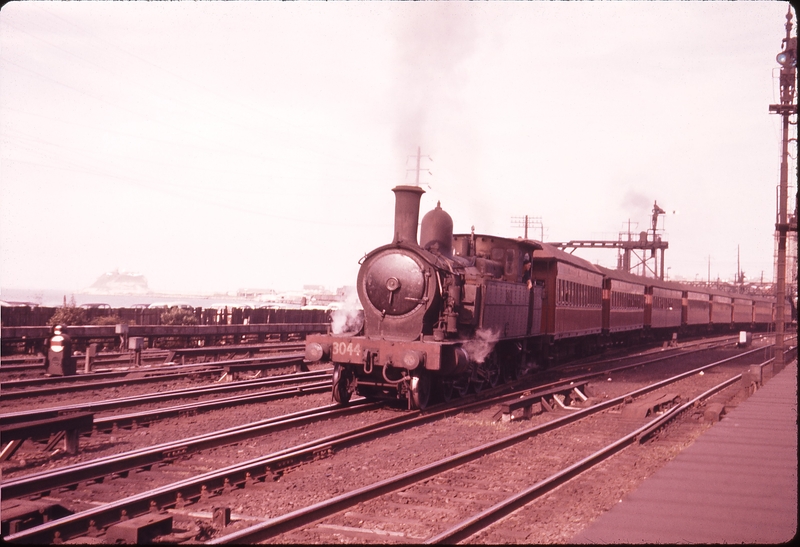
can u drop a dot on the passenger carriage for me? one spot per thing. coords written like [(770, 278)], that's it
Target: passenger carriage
[(623, 305), (721, 312)]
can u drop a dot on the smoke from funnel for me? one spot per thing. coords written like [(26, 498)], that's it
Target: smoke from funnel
[(432, 43)]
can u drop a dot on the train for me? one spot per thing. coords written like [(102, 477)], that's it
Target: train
[(452, 313)]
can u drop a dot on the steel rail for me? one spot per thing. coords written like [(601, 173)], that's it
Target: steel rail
[(238, 474), (714, 344), (149, 416), (649, 361), (133, 376), (98, 469), (10, 364), (37, 367), (246, 472), (80, 376), (136, 379), (213, 351), (101, 375), (606, 372), (667, 416), (489, 516), (7, 362), (294, 519), (684, 345), (136, 400)]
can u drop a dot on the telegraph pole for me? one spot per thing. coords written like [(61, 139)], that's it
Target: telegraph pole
[(419, 161), (787, 108), (529, 222)]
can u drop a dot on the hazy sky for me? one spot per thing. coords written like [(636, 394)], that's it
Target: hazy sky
[(223, 145)]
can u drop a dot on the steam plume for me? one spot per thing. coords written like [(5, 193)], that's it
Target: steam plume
[(349, 317), (482, 345)]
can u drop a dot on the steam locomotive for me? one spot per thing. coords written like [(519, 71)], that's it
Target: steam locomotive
[(453, 313)]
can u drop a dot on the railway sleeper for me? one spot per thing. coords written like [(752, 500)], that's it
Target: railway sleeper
[(277, 469), (753, 379), (651, 405), (714, 412), (20, 515), (138, 530), (569, 397), (68, 428)]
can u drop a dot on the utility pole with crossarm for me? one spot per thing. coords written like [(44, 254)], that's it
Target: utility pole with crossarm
[(787, 108)]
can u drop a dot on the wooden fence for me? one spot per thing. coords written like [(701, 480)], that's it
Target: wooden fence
[(37, 316)]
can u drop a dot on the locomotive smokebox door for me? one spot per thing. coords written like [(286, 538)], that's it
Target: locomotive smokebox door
[(59, 354)]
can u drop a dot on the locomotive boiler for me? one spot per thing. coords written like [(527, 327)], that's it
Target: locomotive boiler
[(440, 314)]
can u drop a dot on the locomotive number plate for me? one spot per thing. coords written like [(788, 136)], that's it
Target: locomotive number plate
[(346, 349)]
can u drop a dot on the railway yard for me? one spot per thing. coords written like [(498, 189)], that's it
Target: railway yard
[(465, 382), (255, 450)]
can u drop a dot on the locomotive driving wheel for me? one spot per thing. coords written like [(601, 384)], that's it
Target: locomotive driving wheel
[(461, 385), (420, 390), (341, 384), (490, 370), (515, 366), (446, 388), (476, 379), (516, 369)]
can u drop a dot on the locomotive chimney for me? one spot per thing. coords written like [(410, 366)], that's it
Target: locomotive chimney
[(406, 213)]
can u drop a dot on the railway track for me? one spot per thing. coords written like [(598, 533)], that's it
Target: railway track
[(465, 476), (111, 361), (465, 483), (66, 384), (139, 400), (97, 470), (35, 364), (694, 345), (255, 471)]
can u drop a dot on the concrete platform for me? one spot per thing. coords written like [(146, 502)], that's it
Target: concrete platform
[(737, 483)]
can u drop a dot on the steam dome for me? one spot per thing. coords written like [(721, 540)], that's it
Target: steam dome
[(436, 232)]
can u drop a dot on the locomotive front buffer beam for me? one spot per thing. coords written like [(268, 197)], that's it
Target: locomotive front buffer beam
[(369, 353)]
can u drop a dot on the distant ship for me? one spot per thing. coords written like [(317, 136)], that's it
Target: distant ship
[(118, 282)]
